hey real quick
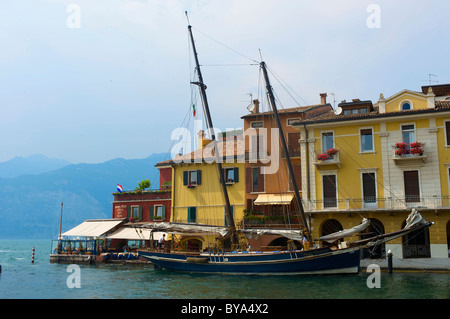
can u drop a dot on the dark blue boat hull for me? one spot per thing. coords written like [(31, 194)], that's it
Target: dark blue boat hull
[(320, 261)]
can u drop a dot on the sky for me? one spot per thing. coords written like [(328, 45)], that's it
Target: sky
[(89, 81)]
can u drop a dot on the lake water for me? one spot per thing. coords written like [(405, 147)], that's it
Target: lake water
[(20, 279)]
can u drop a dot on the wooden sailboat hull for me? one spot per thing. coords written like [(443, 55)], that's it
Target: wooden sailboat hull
[(320, 261)]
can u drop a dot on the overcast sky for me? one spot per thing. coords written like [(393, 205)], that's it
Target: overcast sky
[(88, 81)]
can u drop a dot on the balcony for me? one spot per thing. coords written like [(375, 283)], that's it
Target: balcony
[(400, 202), (328, 160), (409, 155)]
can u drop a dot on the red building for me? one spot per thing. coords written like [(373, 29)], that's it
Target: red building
[(146, 206)]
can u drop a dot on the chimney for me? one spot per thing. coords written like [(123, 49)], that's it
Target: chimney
[(202, 140), (323, 98), (256, 106)]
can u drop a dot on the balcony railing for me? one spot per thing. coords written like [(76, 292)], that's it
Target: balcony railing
[(332, 160), (395, 203)]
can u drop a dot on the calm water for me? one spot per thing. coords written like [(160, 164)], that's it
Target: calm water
[(22, 279)]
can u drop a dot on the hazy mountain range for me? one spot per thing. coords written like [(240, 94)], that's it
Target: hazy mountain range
[(32, 189)]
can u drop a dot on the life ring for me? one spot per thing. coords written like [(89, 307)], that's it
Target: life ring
[(176, 245)]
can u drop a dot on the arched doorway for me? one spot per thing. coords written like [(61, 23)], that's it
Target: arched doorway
[(375, 228), (282, 243), (328, 227), (416, 244)]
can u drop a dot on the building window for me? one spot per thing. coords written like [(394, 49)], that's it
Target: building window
[(366, 140), (254, 180), (408, 134), (412, 189), (369, 189), (327, 141), (231, 175), (347, 112), (256, 124), (329, 191), (134, 212), (192, 178), (192, 215), (406, 106), (157, 212), (447, 133)]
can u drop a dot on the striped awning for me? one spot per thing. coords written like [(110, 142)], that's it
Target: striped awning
[(274, 199)]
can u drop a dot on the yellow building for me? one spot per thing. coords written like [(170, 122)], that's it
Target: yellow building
[(358, 161), (197, 196)]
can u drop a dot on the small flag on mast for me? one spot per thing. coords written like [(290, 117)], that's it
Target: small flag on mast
[(193, 109), (119, 188)]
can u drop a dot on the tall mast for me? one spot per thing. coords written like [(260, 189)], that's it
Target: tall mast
[(283, 142), (228, 213)]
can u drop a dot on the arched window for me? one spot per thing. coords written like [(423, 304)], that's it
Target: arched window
[(406, 106)]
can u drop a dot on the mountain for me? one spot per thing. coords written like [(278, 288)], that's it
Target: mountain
[(30, 205), (33, 164)]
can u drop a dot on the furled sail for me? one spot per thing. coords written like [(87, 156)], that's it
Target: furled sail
[(346, 232), (187, 228), (291, 234), (414, 218)]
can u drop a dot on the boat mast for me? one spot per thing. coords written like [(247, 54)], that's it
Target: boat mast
[(230, 220), (283, 142)]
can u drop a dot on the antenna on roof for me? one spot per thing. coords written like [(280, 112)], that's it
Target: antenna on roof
[(429, 78)]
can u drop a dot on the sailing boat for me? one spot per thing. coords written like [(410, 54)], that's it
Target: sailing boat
[(343, 259)]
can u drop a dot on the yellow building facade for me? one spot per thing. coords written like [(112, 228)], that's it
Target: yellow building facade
[(197, 196), (358, 162)]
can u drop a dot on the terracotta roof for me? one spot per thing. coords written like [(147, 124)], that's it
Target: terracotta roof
[(292, 110), (332, 117), (207, 153)]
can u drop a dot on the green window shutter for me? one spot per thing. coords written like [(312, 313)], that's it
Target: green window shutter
[(236, 174), (140, 212), (152, 212), (192, 215), (163, 212), (185, 178), (199, 177), (128, 211)]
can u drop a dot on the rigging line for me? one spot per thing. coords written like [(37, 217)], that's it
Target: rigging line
[(379, 181), (229, 64), (279, 79), (227, 47)]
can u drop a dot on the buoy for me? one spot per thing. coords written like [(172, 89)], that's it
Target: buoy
[(32, 256)]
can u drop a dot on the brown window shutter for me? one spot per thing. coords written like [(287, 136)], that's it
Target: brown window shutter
[(412, 192)]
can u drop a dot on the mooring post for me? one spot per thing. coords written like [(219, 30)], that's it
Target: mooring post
[(389, 258)]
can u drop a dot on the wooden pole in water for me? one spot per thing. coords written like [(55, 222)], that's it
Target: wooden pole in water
[(389, 258), (60, 227)]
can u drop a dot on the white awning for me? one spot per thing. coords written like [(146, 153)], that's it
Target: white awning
[(274, 199), (131, 233), (93, 227)]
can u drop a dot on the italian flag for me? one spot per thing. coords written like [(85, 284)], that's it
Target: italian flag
[(193, 109)]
